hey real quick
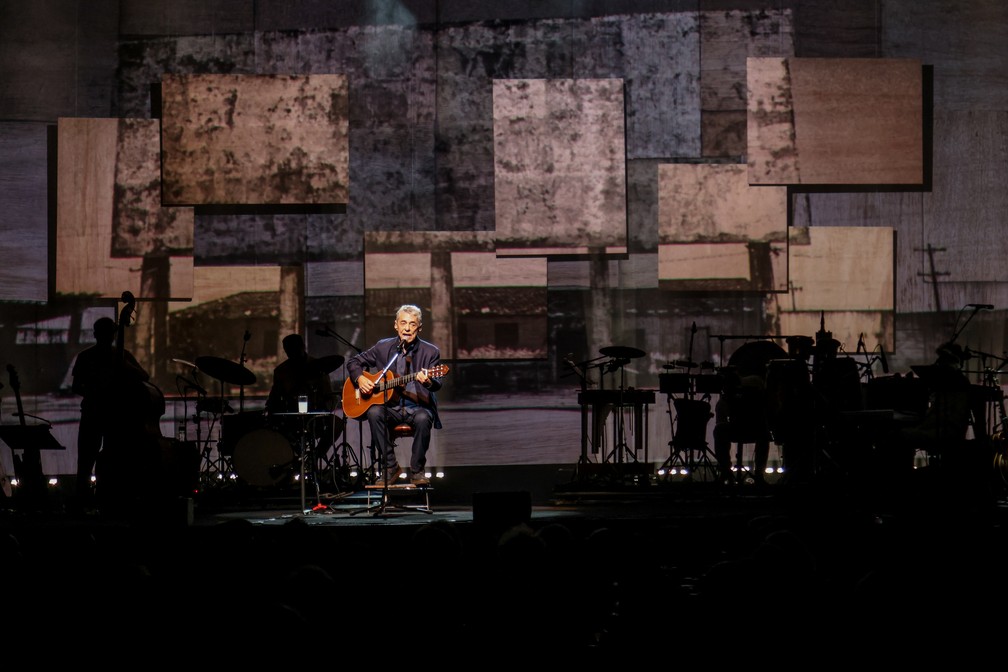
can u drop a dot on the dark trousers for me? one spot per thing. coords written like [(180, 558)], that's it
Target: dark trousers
[(381, 418), (90, 435)]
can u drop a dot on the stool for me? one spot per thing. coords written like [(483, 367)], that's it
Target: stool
[(402, 430)]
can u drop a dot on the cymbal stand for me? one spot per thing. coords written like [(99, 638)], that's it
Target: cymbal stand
[(345, 450), (576, 368), (676, 449), (619, 429), (343, 456), (690, 426), (215, 471)]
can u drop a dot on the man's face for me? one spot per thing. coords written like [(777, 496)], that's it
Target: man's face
[(407, 327)]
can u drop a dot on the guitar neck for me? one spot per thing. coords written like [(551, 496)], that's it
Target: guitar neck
[(398, 381)]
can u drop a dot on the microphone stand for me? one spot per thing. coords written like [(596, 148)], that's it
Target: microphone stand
[(386, 393), (957, 331), (241, 360)]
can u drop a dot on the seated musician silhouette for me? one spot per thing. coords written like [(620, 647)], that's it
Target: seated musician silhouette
[(295, 376), (740, 417), (299, 376), (947, 418)]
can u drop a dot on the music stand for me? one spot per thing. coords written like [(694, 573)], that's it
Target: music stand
[(28, 438)]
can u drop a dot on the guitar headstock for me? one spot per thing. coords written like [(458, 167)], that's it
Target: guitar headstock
[(438, 371), (129, 305)]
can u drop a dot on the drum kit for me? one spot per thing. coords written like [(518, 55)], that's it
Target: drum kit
[(261, 449), (784, 379)]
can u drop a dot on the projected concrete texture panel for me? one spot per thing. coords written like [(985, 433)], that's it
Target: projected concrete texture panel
[(714, 202), (835, 121), (140, 226), (711, 211), (255, 139), (484, 269), (838, 268), (23, 224), (727, 38), (703, 261), (92, 155), (559, 165)]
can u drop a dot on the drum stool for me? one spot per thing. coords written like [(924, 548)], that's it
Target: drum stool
[(385, 493)]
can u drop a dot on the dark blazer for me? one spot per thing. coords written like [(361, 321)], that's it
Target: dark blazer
[(424, 355)]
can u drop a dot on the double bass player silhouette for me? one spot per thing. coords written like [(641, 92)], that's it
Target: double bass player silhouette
[(114, 436)]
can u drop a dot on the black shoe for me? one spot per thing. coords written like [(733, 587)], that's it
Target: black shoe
[(419, 480)]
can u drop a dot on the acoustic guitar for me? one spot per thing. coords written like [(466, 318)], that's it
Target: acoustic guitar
[(356, 403)]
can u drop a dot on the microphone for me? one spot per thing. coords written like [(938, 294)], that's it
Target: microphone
[(248, 335), (980, 306), (882, 359)]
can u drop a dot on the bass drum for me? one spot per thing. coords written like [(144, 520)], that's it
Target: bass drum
[(264, 458), (752, 358), (235, 427), (999, 444)]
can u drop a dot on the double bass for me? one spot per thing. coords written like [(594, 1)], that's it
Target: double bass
[(133, 443)]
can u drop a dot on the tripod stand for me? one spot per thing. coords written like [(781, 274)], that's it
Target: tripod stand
[(689, 424), (345, 466), (343, 453)]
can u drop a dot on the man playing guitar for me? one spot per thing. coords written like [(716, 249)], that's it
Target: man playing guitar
[(394, 382)]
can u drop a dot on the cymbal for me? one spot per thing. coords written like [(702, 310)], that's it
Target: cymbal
[(621, 352), (184, 362), (225, 370), (326, 364)]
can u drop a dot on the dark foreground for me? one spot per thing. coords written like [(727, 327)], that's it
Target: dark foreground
[(593, 568)]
